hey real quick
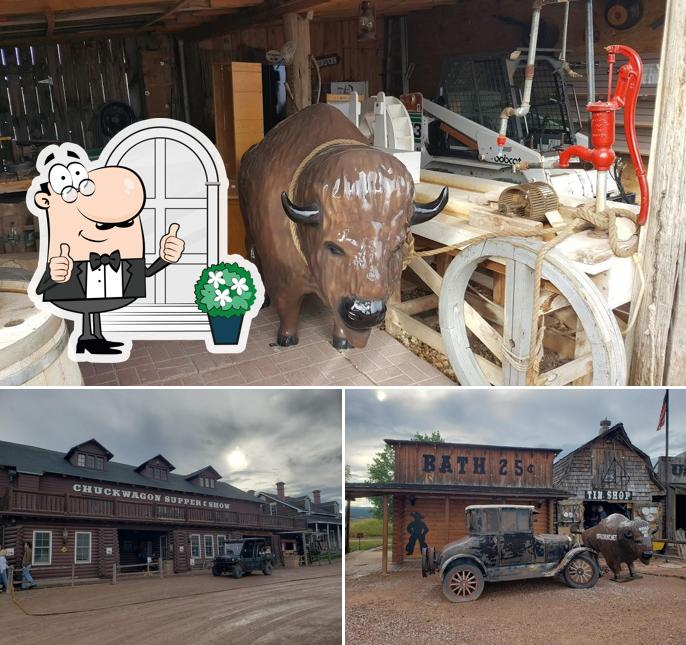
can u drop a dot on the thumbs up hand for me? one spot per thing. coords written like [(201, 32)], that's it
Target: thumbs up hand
[(61, 265), (171, 247)]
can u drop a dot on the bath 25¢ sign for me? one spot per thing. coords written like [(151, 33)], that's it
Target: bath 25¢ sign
[(461, 464)]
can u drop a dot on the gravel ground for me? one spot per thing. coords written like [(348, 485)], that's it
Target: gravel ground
[(292, 606), (405, 608)]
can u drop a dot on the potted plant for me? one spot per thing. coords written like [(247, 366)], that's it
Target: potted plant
[(226, 292)]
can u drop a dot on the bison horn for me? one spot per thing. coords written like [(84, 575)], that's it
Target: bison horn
[(424, 212), (301, 214)]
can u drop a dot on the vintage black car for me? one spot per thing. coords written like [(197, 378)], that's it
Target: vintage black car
[(501, 545), (244, 556)]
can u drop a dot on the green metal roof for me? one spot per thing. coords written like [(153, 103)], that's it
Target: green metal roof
[(39, 461)]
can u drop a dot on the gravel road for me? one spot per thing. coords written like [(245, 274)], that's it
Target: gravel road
[(291, 606), (404, 608)]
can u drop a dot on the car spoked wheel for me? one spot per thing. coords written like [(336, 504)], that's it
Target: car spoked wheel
[(463, 583), (582, 572)]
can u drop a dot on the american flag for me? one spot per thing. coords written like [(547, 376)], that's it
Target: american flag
[(663, 411)]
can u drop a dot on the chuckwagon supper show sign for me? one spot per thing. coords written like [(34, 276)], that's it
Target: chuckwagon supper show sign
[(148, 497)]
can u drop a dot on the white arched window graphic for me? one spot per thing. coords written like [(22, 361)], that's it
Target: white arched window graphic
[(185, 183)]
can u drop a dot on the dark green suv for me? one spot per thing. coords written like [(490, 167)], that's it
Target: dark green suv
[(244, 556)]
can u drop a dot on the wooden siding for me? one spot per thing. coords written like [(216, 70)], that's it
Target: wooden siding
[(360, 60), (53, 91), (501, 466), (479, 26), (585, 470), (445, 517), (53, 496), (103, 538)]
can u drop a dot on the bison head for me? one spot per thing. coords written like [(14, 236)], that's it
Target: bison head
[(353, 207), (637, 536)]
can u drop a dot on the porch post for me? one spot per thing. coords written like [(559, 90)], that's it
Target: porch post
[(347, 526), (307, 560), (384, 546)]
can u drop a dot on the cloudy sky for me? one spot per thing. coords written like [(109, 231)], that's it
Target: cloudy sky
[(254, 438), (547, 418)]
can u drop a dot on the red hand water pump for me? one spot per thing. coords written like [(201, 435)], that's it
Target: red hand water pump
[(602, 156)]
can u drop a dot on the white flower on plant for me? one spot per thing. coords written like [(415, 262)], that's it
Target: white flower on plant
[(216, 279), (239, 286), (222, 297)]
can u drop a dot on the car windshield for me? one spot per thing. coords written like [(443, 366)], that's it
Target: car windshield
[(233, 548), (515, 520)]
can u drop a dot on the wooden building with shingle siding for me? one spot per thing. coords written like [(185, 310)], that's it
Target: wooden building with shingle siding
[(435, 482), (83, 510), (606, 475)]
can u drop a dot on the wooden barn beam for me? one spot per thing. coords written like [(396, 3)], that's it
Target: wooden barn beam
[(168, 13), (297, 29), (248, 18), (50, 18), (659, 351)]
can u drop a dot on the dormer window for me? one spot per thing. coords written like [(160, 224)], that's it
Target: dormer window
[(94, 462), (90, 454), (206, 477), (161, 474), (157, 468), (272, 508), (206, 482)]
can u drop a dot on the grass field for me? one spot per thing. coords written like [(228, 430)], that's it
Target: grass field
[(373, 532)]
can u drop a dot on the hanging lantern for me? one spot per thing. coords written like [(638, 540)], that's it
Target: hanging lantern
[(366, 22)]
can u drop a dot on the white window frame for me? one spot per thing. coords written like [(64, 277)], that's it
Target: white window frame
[(33, 550), (76, 546), (204, 545), (196, 535), (272, 508), (81, 460)]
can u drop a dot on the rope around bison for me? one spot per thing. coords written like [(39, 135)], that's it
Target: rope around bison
[(586, 218), (152, 600), (296, 176)]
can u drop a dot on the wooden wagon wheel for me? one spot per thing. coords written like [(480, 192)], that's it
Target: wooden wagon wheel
[(606, 357)]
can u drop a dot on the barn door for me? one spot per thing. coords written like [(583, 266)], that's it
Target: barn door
[(182, 186)]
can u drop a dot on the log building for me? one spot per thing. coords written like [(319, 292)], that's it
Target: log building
[(672, 472), (608, 474), (82, 509), (435, 482), (323, 518)]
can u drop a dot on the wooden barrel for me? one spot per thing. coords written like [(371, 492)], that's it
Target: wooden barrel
[(33, 344)]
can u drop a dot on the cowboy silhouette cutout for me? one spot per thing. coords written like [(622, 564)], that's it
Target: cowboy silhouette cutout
[(417, 530)]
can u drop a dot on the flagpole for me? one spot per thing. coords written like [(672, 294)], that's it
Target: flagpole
[(668, 522)]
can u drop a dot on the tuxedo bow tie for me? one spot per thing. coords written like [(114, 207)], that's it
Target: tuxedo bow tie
[(113, 259)]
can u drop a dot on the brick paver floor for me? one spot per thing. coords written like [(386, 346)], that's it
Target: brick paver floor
[(313, 361)]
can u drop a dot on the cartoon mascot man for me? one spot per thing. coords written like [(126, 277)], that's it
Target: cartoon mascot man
[(95, 247)]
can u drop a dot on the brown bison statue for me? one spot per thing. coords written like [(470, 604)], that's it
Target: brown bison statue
[(619, 540), (327, 213)]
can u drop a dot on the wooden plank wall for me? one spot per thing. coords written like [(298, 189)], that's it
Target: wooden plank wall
[(445, 517), (590, 465), (360, 60), (481, 26), (81, 77), (53, 91), (501, 466)]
